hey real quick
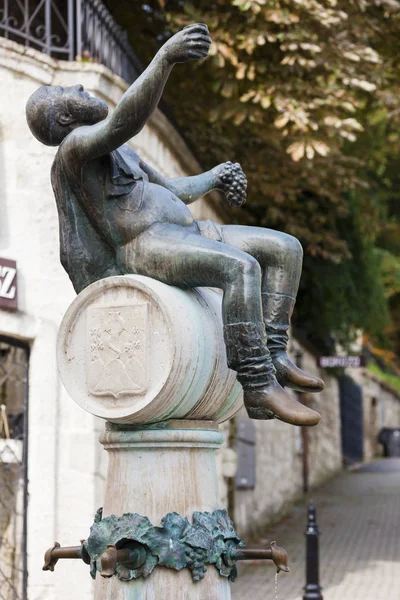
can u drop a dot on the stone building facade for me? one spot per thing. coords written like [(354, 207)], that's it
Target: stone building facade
[(66, 465), (279, 455), (381, 408)]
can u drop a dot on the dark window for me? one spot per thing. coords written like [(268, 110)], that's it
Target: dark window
[(246, 454), (14, 357)]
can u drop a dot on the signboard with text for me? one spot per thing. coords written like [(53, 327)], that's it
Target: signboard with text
[(331, 362), (8, 284)]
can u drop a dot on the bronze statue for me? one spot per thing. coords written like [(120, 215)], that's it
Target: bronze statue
[(118, 215)]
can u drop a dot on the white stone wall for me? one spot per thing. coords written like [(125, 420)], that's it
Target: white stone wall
[(279, 455), (278, 476)]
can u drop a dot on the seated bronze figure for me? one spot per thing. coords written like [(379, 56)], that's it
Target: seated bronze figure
[(118, 215)]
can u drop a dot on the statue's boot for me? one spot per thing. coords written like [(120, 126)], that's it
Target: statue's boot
[(264, 398), (277, 310)]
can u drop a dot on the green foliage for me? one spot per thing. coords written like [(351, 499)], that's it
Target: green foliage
[(393, 380), (393, 330), (390, 269), (342, 298), (305, 95)]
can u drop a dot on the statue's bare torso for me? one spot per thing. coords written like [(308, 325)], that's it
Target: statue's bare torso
[(122, 202)]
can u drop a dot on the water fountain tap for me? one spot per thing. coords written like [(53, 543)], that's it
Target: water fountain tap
[(131, 555), (54, 553), (275, 553)]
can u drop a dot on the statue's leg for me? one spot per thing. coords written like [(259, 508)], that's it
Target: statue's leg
[(280, 256), (179, 256)]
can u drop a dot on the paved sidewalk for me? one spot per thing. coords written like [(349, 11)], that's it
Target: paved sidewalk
[(359, 517)]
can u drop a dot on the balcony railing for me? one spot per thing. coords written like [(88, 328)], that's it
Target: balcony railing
[(67, 29)]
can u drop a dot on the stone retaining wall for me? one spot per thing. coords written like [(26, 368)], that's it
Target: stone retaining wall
[(279, 455), (381, 407)]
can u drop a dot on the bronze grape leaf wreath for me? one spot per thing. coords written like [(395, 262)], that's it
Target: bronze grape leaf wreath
[(176, 544)]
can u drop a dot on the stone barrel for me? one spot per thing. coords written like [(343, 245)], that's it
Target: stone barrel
[(133, 350)]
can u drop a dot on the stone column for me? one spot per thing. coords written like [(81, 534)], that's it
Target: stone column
[(150, 360), (168, 468)]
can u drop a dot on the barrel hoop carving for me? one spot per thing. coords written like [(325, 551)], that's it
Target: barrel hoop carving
[(132, 350)]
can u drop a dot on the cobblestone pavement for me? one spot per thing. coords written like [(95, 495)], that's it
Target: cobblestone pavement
[(359, 517)]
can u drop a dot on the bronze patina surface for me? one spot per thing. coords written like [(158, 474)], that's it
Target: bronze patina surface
[(118, 215), (130, 547)]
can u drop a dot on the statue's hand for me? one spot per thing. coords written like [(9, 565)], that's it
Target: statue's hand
[(232, 181), (191, 43)]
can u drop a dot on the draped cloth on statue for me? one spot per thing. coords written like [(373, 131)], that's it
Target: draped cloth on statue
[(85, 252)]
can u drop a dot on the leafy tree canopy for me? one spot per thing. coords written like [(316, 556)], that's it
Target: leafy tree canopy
[(305, 95)]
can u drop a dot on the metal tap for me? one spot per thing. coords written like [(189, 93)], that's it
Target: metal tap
[(275, 553), (53, 555), (131, 555)]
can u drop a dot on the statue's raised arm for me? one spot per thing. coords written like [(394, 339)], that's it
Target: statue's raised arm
[(74, 110)]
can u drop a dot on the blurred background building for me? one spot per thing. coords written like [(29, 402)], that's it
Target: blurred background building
[(52, 469)]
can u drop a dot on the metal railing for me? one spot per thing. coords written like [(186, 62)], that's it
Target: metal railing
[(45, 25), (70, 29), (101, 38)]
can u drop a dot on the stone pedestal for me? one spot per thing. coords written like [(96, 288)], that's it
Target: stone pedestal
[(150, 359), (153, 472)]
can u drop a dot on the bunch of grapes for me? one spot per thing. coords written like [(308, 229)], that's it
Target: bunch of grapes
[(195, 559), (235, 183)]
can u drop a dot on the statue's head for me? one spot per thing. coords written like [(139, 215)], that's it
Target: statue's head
[(53, 112)]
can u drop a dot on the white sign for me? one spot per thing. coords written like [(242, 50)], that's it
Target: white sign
[(330, 362)]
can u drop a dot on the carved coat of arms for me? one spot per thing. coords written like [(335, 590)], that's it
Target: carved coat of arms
[(117, 353)]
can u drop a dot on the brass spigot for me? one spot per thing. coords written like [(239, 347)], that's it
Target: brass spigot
[(131, 555), (108, 561), (275, 553), (53, 555)]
